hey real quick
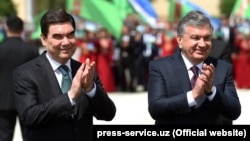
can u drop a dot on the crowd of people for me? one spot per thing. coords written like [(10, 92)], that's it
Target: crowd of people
[(123, 63), (107, 64)]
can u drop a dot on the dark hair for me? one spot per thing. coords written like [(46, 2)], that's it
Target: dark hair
[(193, 18), (54, 17), (14, 24)]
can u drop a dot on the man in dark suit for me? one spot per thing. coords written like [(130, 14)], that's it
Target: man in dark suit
[(171, 98), (221, 50), (48, 113), (14, 51)]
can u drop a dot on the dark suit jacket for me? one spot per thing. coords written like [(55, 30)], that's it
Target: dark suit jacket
[(169, 83), (221, 50), (46, 112), (13, 52)]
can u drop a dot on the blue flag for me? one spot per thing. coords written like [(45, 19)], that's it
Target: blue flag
[(146, 10)]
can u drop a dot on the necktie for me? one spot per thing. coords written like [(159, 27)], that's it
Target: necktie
[(194, 69), (66, 81)]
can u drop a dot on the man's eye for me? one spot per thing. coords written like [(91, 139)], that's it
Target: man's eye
[(71, 35), (57, 37), (195, 37), (208, 38)]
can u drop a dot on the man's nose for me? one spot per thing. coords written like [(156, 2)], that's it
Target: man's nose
[(201, 42), (65, 41)]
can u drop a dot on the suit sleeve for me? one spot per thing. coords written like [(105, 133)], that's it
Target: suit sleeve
[(31, 105), (104, 108)]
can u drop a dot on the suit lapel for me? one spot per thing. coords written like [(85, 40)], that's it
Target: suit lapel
[(49, 81), (74, 67), (48, 76), (181, 72)]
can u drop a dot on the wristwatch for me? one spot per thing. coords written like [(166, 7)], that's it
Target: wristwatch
[(208, 94)]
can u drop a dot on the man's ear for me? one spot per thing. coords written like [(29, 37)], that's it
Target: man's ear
[(179, 40), (43, 40)]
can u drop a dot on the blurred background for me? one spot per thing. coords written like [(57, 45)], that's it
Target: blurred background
[(122, 36)]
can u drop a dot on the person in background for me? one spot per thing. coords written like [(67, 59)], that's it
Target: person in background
[(126, 60), (221, 50), (171, 97), (150, 52), (88, 48), (14, 51), (47, 112), (241, 60), (104, 59)]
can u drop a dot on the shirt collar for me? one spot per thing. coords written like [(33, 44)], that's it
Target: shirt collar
[(189, 64), (56, 64)]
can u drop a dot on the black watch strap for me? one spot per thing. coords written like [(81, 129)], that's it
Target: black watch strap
[(208, 94)]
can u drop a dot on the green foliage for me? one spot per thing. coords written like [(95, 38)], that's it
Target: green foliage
[(44, 5), (7, 8), (226, 7), (49, 4)]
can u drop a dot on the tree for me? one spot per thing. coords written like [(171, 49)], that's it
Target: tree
[(43, 5), (7, 8), (226, 7)]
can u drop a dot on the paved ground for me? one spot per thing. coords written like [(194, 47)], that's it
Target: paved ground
[(132, 110)]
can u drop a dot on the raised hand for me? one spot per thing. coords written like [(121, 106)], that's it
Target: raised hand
[(207, 75), (204, 83), (75, 89), (88, 76)]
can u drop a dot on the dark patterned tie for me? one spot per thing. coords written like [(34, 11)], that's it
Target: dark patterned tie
[(66, 81), (194, 69)]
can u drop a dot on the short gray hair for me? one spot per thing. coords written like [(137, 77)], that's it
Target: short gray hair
[(193, 18)]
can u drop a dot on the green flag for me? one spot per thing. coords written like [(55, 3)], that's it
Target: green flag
[(124, 7), (177, 9), (1, 37), (185, 9), (70, 5), (241, 8), (171, 10), (36, 33), (104, 13)]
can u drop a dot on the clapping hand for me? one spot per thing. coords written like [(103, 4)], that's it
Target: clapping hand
[(88, 76)]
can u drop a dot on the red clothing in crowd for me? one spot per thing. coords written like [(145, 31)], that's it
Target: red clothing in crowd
[(242, 64)]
